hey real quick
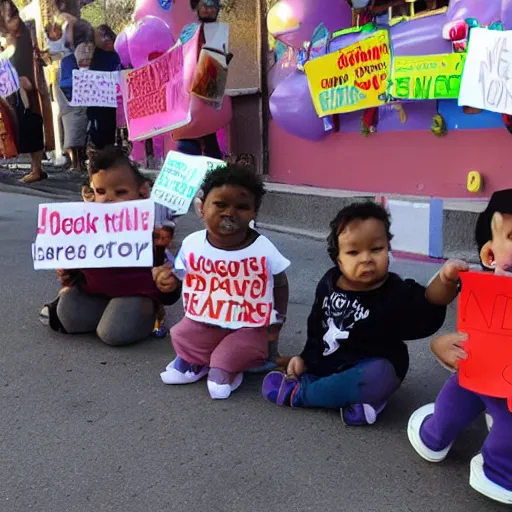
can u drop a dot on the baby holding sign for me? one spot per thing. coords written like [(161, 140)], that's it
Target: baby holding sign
[(119, 304), (234, 287), (434, 427)]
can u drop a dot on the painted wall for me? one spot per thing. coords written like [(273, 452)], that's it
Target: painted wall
[(407, 162)]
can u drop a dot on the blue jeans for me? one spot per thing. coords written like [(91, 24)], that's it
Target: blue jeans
[(371, 381), (193, 146)]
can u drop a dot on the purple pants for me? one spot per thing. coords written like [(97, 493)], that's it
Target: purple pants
[(455, 409), (230, 351)]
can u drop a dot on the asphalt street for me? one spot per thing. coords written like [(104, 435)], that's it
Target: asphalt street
[(85, 427)]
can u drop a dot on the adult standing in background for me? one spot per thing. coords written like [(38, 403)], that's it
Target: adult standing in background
[(101, 129), (29, 122), (207, 12)]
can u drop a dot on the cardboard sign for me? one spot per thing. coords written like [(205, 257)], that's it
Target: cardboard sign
[(180, 179), (154, 96), (487, 78), (231, 294), (485, 314), (353, 78), (94, 88), (94, 235), (432, 77), (9, 80)]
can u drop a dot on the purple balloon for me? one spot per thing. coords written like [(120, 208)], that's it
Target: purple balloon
[(306, 16), (292, 108), (150, 35), (121, 47), (485, 12), (506, 14)]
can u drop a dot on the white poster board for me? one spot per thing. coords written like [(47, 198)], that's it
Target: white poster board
[(180, 179), (487, 77), (94, 88), (94, 235)]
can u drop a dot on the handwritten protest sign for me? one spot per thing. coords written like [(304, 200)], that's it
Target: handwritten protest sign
[(427, 77), (487, 78), (154, 96), (94, 235), (9, 80), (229, 293), (353, 78), (485, 314), (180, 179), (94, 88)]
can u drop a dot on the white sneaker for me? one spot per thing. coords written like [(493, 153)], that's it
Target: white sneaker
[(480, 483), (413, 432), (173, 376), (223, 391), (488, 421)]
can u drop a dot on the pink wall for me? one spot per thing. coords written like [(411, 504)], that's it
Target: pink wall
[(407, 162)]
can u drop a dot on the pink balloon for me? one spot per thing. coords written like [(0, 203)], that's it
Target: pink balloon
[(176, 13), (148, 36), (121, 47)]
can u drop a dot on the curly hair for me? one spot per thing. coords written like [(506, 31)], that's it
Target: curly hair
[(112, 158), (355, 211), (237, 175)]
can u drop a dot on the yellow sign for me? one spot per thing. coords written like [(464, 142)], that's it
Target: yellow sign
[(432, 77), (353, 78)]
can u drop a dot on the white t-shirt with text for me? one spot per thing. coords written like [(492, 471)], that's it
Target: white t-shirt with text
[(231, 289)]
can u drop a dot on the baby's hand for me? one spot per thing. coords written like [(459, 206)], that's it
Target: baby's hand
[(164, 279), (449, 349), (449, 273), (296, 366), (67, 277)]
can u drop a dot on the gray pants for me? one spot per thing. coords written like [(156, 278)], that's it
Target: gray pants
[(119, 321)]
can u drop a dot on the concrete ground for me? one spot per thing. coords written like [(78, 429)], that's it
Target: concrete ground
[(86, 427)]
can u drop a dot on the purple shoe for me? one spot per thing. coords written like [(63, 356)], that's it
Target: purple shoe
[(278, 388), (361, 414)]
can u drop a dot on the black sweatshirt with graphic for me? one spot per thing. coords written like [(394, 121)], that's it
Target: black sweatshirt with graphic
[(345, 327)]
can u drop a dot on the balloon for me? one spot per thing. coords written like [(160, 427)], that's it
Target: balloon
[(292, 109), (176, 13), (150, 35), (121, 47), (293, 21)]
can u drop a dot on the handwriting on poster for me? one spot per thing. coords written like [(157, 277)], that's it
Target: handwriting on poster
[(232, 294), (154, 96), (94, 88), (180, 179), (91, 235), (9, 81), (147, 86), (354, 78), (427, 77), (487, 78), (485, 314)]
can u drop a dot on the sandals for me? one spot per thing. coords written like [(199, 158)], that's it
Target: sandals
[(48, 316), (33, 178)]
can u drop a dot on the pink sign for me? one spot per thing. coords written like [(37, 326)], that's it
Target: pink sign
[(154, 96)]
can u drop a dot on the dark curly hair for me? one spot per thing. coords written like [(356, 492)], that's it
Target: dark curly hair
[(355, 211), (113, 157), (237, 175)]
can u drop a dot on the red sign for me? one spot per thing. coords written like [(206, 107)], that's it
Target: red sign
[(485, 314)]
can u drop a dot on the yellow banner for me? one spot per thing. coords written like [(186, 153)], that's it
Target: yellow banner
[(432, 77), (353, 78)]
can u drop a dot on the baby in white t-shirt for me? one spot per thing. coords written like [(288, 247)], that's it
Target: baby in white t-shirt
[(235, 288)]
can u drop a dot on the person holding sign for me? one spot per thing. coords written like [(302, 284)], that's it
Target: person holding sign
[(207, 13), (119, 304), (434, 427), (355, 357), (235, 288)]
